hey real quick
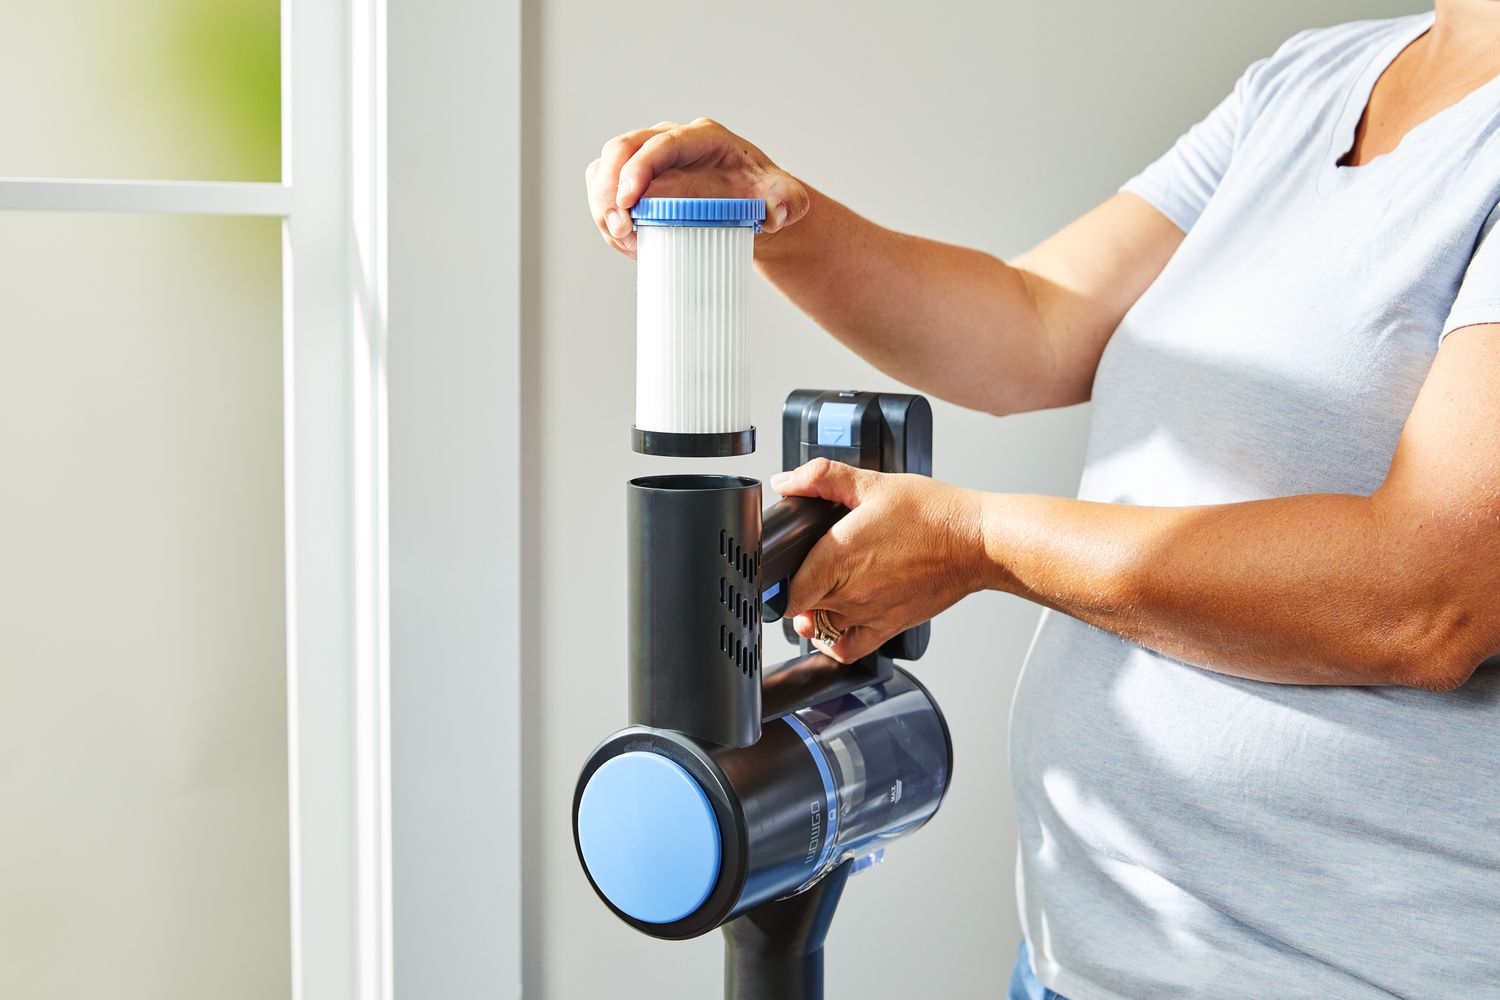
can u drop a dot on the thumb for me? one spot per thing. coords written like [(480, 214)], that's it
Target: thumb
[(787, 201), (823, 479)]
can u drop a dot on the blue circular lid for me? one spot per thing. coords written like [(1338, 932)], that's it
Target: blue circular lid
[(649, 837), (699, 212)]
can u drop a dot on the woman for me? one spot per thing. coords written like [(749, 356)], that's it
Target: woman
[(1253, 754)]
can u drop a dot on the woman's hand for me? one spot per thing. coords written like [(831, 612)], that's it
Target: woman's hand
[(908, 548), (699, 160)]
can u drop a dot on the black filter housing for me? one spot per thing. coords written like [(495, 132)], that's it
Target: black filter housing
[(693, 605)]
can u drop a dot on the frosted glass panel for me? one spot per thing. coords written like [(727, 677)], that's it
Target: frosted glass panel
[(164, 89), (143, 764)]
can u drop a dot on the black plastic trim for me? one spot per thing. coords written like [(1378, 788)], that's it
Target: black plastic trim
[(726, 444)]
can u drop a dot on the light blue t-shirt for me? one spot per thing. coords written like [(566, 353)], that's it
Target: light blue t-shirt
[(1188, 834)]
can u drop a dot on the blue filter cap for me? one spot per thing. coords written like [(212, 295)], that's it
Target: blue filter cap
[(649, 837), (723, 212)]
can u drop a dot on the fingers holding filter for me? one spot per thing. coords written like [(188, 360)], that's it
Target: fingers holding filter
[(611, 212)]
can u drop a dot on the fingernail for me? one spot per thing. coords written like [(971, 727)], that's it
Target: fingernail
[(780, 479), (780, 216), (617, 226), (628, 242)]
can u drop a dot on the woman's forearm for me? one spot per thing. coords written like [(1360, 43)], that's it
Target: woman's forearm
[(962, 324), (1314, 589), (945, 319)]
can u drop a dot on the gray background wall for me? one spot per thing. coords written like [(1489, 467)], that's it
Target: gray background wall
[(987, 124)]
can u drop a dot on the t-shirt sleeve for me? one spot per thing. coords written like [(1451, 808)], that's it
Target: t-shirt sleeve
[(1180, 183), (1478, 299)]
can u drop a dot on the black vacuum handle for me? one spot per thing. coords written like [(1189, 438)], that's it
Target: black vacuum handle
[(790, 528)]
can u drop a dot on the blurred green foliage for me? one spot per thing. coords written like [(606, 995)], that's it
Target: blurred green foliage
[(223, 63), (159, 89)]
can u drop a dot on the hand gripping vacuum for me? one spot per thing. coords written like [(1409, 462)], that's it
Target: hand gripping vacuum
[(741, 796)]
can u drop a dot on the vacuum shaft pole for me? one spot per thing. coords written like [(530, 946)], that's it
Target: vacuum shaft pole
[(775, 951)]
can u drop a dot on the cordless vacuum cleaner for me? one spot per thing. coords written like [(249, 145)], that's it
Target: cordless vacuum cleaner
[(740, 796)]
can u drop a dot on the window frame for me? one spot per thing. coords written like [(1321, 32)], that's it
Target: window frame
[(331, 200)]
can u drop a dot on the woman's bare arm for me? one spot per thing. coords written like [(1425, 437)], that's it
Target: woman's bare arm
[(951, 321), (1399, 587), (962, 324)]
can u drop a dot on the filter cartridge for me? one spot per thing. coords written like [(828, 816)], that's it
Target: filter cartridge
[(693, 272)]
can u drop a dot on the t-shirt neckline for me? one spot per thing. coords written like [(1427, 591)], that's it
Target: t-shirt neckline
[(1357, 99)]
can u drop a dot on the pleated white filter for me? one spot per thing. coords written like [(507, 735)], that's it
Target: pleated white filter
[(692, 321)]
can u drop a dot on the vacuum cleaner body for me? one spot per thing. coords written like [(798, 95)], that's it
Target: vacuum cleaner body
[(736, 784), (742, 795)]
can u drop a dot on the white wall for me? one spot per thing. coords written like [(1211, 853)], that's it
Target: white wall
[(987, 124), (454, 121)]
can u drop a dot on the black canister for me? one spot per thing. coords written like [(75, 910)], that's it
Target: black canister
[(678, 837), (693, 606)]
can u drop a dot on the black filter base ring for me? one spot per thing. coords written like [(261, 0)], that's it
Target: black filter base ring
[(725, 444)]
